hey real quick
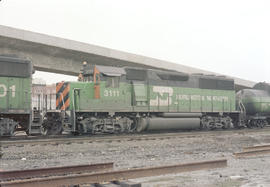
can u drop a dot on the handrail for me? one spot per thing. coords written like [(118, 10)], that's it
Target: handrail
[(74, 109)]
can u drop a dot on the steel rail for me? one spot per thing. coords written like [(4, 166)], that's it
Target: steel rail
[(126, 137), (251, 153), (115, 175), (54, 171), (256, 147)]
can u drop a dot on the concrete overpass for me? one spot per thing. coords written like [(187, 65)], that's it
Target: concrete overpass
[(58, 55)]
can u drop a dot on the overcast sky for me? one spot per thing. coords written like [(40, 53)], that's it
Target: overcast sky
[(231, 37)]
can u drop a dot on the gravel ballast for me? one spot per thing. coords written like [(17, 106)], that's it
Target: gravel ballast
[(250, 171)]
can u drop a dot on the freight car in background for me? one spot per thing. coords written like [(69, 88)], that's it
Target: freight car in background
[(113, 100), (256, 105)]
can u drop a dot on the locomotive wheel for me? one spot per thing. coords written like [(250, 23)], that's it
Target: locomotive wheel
[(118, 129), (80, 129), (7, 127), (133, 126), (54, 129), (12, 131), (43, 130), (249, 124), (211, 126), (262, 123), (98, 128), (225, 125), (256, 123)]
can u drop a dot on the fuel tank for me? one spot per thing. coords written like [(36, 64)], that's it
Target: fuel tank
[(158, 123)]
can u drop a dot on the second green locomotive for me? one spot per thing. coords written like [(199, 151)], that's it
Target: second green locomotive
[(15, 95)]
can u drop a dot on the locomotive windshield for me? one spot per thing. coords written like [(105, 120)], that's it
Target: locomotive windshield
[(106, 72)]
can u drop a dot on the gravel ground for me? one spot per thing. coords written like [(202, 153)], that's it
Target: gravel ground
[(252, 171)]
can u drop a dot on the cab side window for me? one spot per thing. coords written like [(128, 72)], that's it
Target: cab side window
[(112, 82)]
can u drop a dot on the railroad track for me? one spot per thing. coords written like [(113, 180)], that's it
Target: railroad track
[(253, 151), (53, 171), (107, 176), (67, 139)]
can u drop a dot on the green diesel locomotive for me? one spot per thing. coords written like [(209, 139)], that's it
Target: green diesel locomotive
[(113, 100), (15, 95)]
